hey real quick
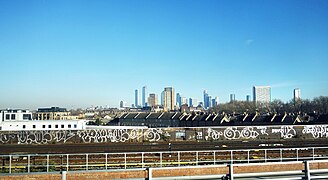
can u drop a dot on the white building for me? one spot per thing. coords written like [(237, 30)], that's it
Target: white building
[(262, 94), (168, 99), (297, 94)]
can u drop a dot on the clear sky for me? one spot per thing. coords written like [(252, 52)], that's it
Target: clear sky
[(82, 53)]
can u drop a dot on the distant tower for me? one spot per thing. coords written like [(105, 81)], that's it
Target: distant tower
[(215, 101), (179, 102), (153, 100), (136, 98), (232, 97), (206, 100), (297, 94), (168, 98), (262, 94), (144, 89), (123, 104), (248, 98)]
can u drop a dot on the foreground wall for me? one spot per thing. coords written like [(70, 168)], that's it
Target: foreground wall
[(165, 134), (252, 170)]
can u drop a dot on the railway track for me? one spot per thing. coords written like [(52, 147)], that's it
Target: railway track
[(153, 147)]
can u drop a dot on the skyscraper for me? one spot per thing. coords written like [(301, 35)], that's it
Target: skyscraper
[(153, 100), (136, 98), (297, 94), (232, 97), (144, 96), (179, 102), (248, 98), (215, 101), (168, 98), (262, 94), (192, 102), (206, 100)]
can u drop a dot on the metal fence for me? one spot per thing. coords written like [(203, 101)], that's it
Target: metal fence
[(31, 163)]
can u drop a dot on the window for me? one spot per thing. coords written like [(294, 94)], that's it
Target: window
[(13, 116), (27, 117), (75, 126), (34, 126), (7, 116), (69, 126), (24, 126), (49, 126), (56, 126), (43, 126), (62, 126), (0, 128)]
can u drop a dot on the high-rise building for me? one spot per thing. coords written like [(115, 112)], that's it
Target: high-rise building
[(297, 94), (248, 98), (184, 100), (232, 97), (153, 100), (193, 102), (144, 96), (123, 104), (168, 98), (206, 100), (136, 98), (215, 101), (262, 94), (179, 102)]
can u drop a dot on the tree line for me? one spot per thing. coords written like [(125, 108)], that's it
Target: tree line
[(318, 105)]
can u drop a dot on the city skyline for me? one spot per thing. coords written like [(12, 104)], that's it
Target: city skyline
[(78, 54)]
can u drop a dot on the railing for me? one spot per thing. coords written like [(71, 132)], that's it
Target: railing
[(31, 163)]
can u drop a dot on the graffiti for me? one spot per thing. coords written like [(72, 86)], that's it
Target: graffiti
[(5, 138), (215, 135), (199, 135), (160, 134), (108, 135), (42, 137), (231, 133), (263, 130), (317, 131), (153, 135), (286, 132), (245, 133)]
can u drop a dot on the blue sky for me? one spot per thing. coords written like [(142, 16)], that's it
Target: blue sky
[(83, 53)]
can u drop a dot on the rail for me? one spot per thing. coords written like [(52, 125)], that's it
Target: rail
[(36, 163)]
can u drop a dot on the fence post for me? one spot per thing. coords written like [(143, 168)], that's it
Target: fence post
[(86, 161), (150, 173), (106, 161), (63, 175), (28, 163), (214, 158), (178, 158), (142, 160), (307, 170), (248, 156), (67, 164), (313, 153), (10, 163), (47, 162), (230, 171), (231, 156), (161, 158), (124, 160), (197, 158)]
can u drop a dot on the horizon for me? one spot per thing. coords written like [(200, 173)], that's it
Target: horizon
[(80, 54)]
